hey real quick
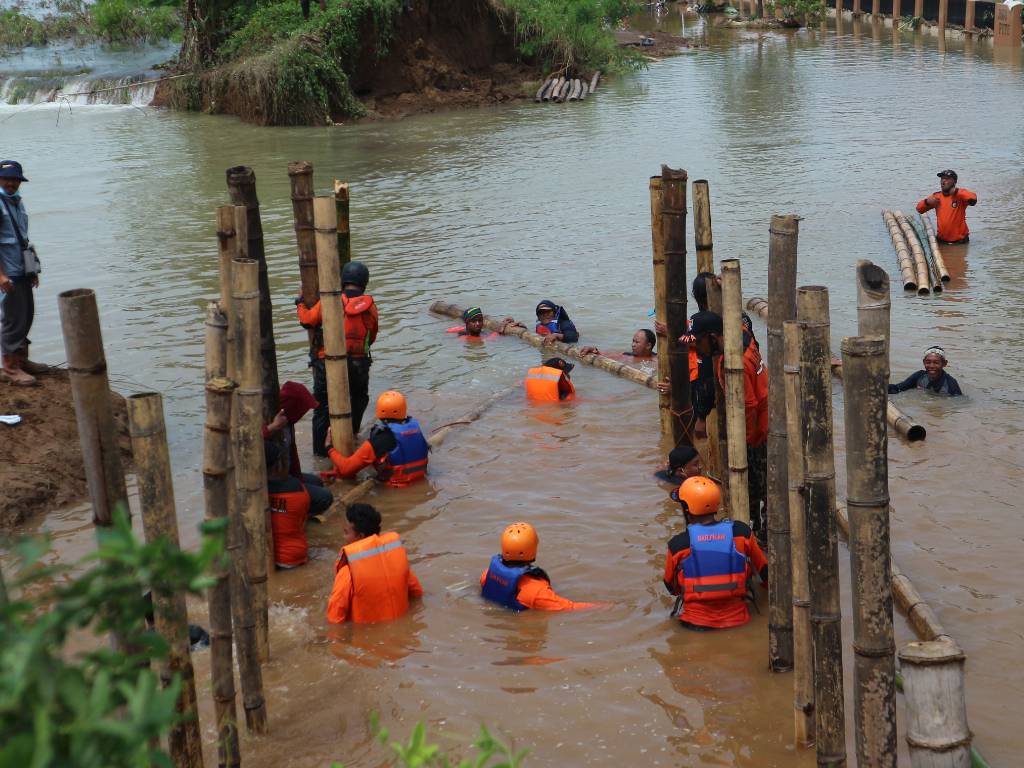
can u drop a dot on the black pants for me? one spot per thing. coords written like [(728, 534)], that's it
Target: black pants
[(757, 485), (17, 311), (359, 395), (320, 499)]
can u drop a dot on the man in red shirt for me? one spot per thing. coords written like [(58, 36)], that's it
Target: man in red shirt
[(709, 563), (950, 205)]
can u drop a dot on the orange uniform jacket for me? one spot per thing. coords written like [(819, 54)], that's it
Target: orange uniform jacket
[(755, 392), (289, 507), (372, 581), (720, 614), (536, 593), (951, 213), (360, 323), (548, 384), (349, 466)]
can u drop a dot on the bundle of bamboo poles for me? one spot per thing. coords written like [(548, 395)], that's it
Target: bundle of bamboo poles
[(903, 257), (934, 278), (938, 262), (920, 263), (558, 88)]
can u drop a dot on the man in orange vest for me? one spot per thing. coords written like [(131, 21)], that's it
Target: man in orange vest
[(289, 508), (360, 332), (512, 580), (372, 578), (708, 564), (950, 205), (550, 381)]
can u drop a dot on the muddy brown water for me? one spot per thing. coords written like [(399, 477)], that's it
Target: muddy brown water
[(504, 207)]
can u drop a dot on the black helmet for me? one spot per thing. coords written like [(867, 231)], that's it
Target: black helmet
[(355, 273)]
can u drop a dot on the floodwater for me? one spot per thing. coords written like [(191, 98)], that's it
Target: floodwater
[(503, 207)]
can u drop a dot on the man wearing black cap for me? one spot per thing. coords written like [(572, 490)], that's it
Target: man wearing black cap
[(950, 205), (19, 274), (550, 381), (683, 462)]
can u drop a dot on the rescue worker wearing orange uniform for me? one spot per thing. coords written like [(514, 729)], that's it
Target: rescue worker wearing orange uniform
[(396, 447), (372, 578), (950, 206), (708, 564), (550, 381), (513, 581), (361, 322), (289, 508)]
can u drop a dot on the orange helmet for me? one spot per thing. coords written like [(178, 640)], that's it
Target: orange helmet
[(519, 543), (391, 405), (699, 495)]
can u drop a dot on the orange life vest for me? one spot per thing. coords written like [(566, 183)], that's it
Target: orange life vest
[(288, 512), (380, 577), (542, 383), (360, 324)]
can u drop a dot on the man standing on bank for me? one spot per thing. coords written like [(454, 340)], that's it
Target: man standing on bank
[(19, 275), (950, 205)]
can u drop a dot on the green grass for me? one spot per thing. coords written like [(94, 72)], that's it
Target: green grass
[(115, 21)]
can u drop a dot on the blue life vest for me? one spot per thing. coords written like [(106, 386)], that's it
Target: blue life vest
[(502, 583), (714, 569), (408, 460)]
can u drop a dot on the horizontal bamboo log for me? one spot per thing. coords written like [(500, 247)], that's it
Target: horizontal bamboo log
[(903, 425), (939, 262), (934, 278), (903, 257), (540, 91), (649, 380), (563, 92), (920, 263), (584, 90), (552, 90), (574, 90), (593, 81)]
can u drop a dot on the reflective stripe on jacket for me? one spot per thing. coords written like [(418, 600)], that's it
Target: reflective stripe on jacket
[(544, 383), (380, 577)]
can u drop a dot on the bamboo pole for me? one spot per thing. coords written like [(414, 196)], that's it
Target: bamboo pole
[(90, 391), (934, 278), (300, 176), (919, 9), (903, 258), (920, 264), (437, 437), (876, 9), (896, 16), (227, 251), (593, 81), (335, 355), (819, 506), (341, 205), (673, 238), (938, 262), (242, 186), (943, 16), (736, 422), (660, 301), (714, 290), (217, 474), (969, 16), (782, 259), (540, 91), (865, 378), (160, 521), (614, 367), (873, 303), (933, 686), (250, 467), (803, 677)]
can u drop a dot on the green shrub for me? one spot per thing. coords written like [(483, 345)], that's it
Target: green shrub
[(135, 20), (910, 23), (803, 12)]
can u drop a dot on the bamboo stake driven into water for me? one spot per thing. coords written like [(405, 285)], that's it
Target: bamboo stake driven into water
[(933, 686), (660, 302), (736, 421), (673, 236), (714, 289), (160, 521), (342, 206), (300, 175)]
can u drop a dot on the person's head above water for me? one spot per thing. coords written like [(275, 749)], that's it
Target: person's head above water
[(391, 406), (519, 543), (706, 329), (934, 362), (699, 497), (947, 181), (361, 520), (700, 289), (473, 317), (684, 461), (546, 311), (563, 365), (643, 343)]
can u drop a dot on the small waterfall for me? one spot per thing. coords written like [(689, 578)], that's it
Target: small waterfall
[(76, 89)]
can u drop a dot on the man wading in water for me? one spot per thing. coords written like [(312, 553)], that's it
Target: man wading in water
[(950, 204), (933, 378)]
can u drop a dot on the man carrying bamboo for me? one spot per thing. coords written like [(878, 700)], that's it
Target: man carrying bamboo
[(950, 205)]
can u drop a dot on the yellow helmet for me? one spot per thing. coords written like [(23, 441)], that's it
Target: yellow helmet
[(391, 405), (699, 495), (519, 543)]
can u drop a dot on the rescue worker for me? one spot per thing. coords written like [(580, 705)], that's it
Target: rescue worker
[(513, 581), (289, 509), (641, 347), (473, 325), (708, 564), (550, 381), (950, 205), (296, 402), (396, 448), (372, 578), (683, 462), (553, 323), (933, 378), (360, 332)]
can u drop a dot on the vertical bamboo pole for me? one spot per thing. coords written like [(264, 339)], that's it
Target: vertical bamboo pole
[(782, 250), (865, 381), (736, 421), (673, 236), (822, 538), (341, 204), (803, 677), (969, 16), (217, 474), (702, 237), (660, 299), (160, 521), (250, 469), (335, 353), (227, 251), (715, 305), (943, 16), (919, 8), (856, 8), (933, 687), (300, 174), (873, 303), (896, 15), (242, 186), (90, 391), (876, 10)]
